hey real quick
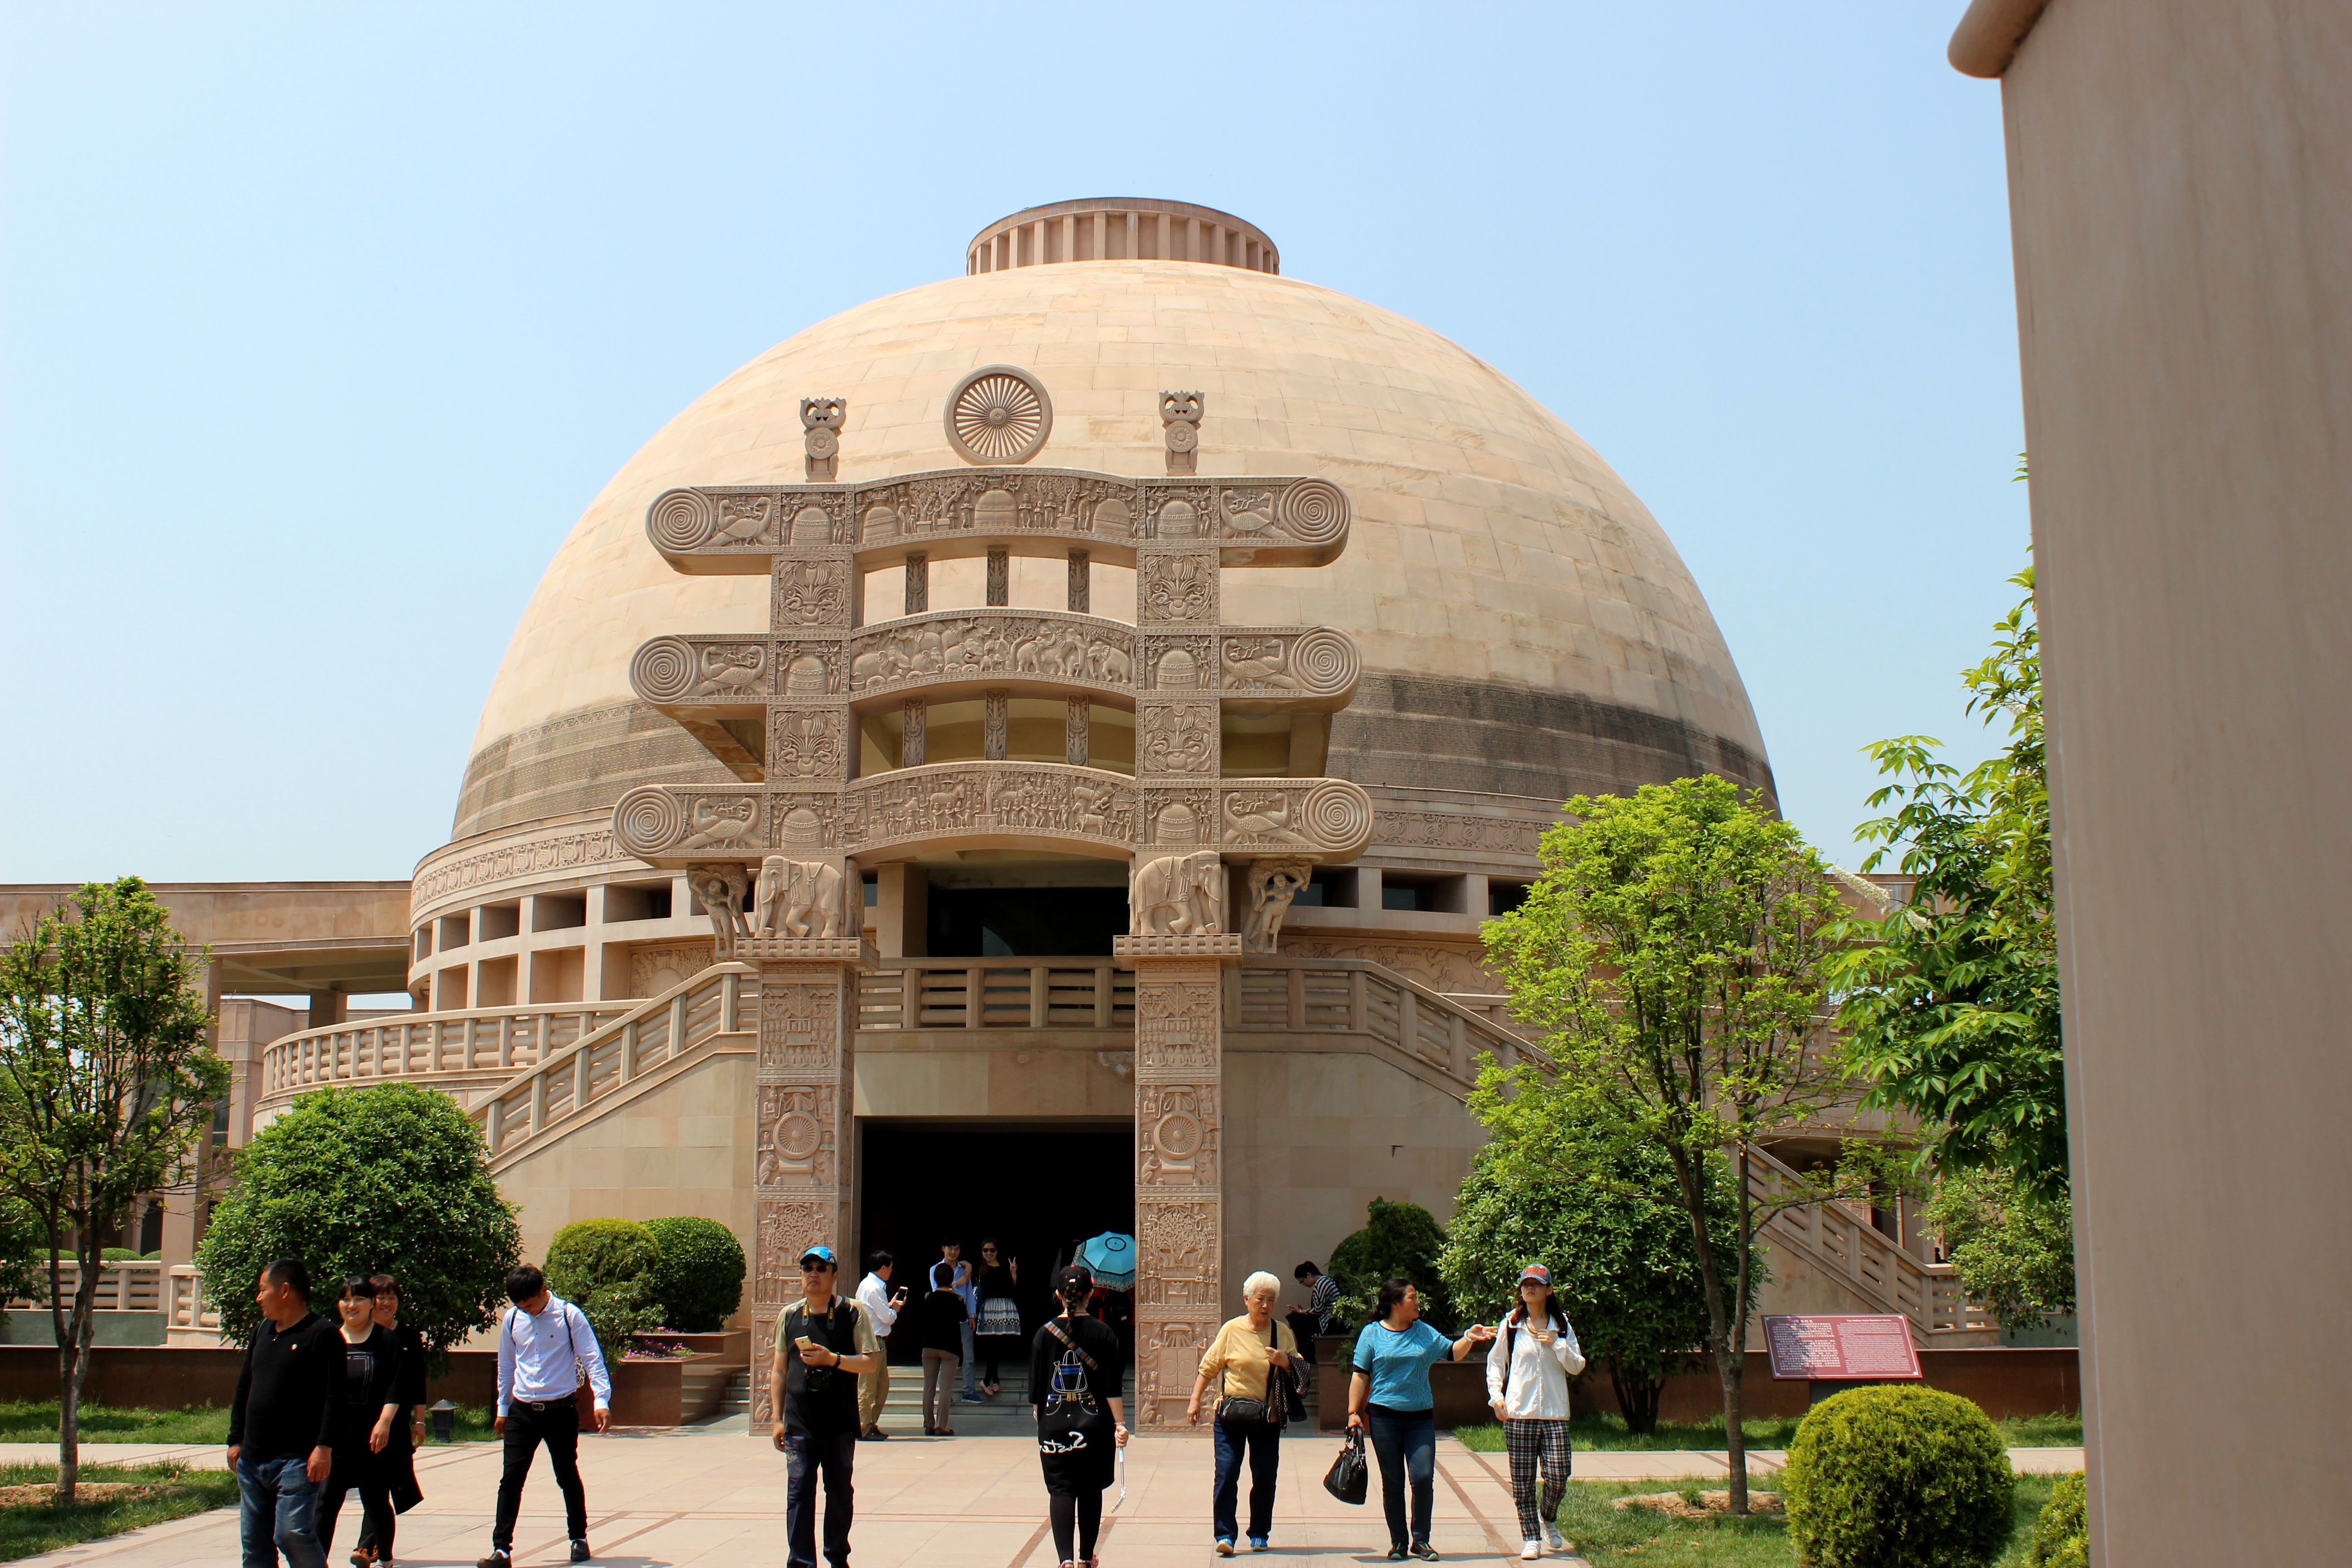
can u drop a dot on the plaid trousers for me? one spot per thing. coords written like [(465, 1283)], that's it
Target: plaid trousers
[(1528, 1442)]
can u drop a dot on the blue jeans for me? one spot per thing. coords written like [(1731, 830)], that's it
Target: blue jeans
[(275, 1508), (1405, 1444), (808, 1457), (1262, 1442)]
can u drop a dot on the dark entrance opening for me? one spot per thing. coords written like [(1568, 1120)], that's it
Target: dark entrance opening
[(1037, 1187), (1010, 922)]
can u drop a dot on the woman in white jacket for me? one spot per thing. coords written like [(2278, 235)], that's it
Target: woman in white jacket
[(1534, 1355)]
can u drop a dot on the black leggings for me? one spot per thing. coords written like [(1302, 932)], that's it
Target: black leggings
[(357, 1470), (1084, 1512)]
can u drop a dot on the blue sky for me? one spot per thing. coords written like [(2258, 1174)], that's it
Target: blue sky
[(322, 324)]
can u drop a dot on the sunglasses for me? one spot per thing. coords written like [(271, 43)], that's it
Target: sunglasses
[(817, 1268)]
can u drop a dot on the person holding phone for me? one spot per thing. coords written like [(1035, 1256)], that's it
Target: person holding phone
[(1390, 1397), (824, 1344), (1527, 1368), (882, 1305)]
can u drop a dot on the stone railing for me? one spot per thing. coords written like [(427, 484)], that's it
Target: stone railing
[(443, 1050), (1305, 997), (1024, 994), (617, 1054), (129, 1286), (1838, 1237), (189, 1317)]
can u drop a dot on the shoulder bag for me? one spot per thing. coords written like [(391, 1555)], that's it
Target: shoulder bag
[(1235, 1410), (1349, 1478)]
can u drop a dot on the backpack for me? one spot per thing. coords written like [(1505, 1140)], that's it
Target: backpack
[(1072, 1380)]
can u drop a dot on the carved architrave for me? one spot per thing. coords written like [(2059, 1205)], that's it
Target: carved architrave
[(1176, 738), (797, 1142), (810, 743), (962, 647), (1328, 817), (651, 820), (1040, 799)]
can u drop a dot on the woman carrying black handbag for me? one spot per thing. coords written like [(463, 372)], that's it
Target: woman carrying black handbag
[(1254, 1357), (1074, 1380)]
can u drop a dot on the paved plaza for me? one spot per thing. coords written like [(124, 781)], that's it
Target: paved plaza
[(709, 1495)]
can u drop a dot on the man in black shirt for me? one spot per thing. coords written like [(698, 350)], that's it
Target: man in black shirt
[(822, 1344), (280, 1428)]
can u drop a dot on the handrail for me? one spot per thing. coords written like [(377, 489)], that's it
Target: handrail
[(654, 1032), (407, 1046), (1864, 1258), (124, 1285), (1360, 996), (1027, 993)]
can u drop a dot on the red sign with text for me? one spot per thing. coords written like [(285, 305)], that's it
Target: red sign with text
[(1840, 1348)]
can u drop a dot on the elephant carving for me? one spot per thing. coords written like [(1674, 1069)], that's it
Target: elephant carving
[(1179, 895), (799, 897)]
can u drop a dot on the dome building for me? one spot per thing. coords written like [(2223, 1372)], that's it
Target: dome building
[(1030, 756)]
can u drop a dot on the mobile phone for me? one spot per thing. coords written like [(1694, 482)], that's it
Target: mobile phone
[(803, 1341)]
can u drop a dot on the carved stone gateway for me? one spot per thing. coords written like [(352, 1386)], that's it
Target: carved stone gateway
[(804, 716)]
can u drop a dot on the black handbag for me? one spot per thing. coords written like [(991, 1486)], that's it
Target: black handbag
[(1349, 1478)]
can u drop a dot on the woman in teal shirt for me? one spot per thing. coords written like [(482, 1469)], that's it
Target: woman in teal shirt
[(1390, 1397)]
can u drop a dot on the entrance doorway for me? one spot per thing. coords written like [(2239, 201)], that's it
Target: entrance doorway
[(1038, 1187)]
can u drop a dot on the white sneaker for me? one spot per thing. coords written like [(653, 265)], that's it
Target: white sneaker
[(1531, 1551), (1553, 1538)]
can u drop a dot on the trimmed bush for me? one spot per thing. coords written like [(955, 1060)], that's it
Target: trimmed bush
[(1399, 1240), (2061, 1536), (607, 1268), (1897, 1477), (698, 1280)]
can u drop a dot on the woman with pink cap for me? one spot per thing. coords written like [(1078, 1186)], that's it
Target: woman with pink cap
[(1527, 1368)]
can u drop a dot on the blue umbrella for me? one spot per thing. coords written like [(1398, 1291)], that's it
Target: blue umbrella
[(1111, 1259)]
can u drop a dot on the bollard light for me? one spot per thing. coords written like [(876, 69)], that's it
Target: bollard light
[(445, 1421)]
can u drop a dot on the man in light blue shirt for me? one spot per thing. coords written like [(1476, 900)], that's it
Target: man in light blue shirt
[(546, 1350)]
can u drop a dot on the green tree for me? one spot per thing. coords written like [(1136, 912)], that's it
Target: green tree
[(1599, 1214), (1671, 961), (106, 1086), (2013, 1244), (698, 1282), (390, 1179), (1399, 1241), (1950, 1003)]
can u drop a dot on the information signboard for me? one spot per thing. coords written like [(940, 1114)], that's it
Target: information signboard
[(1840, 1348)]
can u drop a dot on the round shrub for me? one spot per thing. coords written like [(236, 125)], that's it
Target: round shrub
[(606, 1267), (1897, 1477), (2061, 1536), (698, 1280)]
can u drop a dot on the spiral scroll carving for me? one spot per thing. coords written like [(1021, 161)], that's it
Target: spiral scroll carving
[(1337, 815), (1324, 660), (681, 520), (647, 821), (1314, 511), (663, 671)]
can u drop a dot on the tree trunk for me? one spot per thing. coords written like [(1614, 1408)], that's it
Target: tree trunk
[(73, 1357), (1734, 1368), (1637, 1398)]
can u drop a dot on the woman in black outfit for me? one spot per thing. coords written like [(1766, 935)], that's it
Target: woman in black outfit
[(998, 1322), (366, 1405), (1074, 1373), (399, 1456)]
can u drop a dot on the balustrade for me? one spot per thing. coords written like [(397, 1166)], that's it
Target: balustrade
[(423, 1046), (133, 1285)]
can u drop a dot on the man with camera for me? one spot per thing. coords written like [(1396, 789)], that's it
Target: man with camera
[(824, 1344)]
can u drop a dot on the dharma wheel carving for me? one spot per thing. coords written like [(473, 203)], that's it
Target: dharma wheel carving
[(999, 413)]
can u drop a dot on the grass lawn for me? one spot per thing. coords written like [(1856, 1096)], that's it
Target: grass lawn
[(28, 1529), (1607, 1431), (1605, 1534), (37, 1423)]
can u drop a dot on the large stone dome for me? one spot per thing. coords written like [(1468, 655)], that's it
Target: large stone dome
[(1528, 631)]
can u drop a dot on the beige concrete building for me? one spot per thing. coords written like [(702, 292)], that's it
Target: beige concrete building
[(2181, 198), (1030, 756)]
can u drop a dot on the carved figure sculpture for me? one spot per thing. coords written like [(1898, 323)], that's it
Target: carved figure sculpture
[(799, 897), (730, 670), (742, 520), (822, 418), (720, 888), (1179, 415), (1179, 895), (1252, 814), (1272, 885), (1257, 662)]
